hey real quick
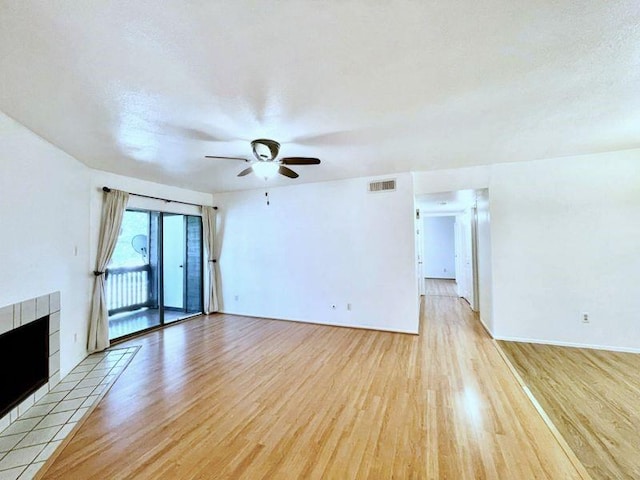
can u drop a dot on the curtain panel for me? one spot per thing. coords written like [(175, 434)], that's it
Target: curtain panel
[(209, 235), (115, 203)]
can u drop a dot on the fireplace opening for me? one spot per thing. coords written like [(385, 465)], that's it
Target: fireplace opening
[(24, 362)]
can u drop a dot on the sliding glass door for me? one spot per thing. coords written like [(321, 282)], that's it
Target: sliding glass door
[(182, 274), (155, 274), (132, 280)]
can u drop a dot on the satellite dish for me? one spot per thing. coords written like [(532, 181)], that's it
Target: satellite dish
[(139, 244)]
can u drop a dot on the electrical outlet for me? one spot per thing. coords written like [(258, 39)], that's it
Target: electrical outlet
[(348, 306), (236, 298), (75, 338), (585, 317)]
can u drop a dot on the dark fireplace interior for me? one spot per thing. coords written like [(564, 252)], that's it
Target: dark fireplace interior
[(24, 362)]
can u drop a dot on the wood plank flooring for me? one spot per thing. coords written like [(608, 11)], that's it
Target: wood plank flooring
[(440, 287), (243, 398), (593, 399)]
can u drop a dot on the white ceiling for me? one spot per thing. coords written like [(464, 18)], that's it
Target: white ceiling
[(147, 88), (446, 202)]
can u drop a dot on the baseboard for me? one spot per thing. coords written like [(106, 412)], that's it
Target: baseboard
[(569, 344), (328, 324), (485, 326)]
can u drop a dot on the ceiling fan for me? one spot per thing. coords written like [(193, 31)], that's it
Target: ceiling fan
[(265, 165)]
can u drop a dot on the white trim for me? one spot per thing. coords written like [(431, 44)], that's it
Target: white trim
[(328, 324), (569, 344), (486, 327)]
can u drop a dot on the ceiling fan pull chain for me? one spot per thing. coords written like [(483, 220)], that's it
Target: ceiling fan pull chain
[(266, 194)]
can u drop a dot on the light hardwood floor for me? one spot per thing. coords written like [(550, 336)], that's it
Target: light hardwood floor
[(243, 398), (593, 399), (440, 287)]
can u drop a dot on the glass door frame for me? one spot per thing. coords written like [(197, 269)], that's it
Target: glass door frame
[(160, 246), (161, 306)]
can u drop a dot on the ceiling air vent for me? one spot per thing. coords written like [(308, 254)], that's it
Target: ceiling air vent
[(382, 186)]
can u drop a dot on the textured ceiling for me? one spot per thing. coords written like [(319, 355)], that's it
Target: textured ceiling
[(147, 88)]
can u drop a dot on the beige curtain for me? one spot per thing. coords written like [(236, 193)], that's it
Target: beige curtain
[(209, 235), (115, 203)]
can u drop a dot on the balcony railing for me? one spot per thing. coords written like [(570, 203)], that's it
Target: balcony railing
[(128, 288)]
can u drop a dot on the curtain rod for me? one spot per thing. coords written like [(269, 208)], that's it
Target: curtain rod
[(107, 189)]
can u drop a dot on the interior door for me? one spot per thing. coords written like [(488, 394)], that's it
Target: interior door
[(466, 253), (460, 270), (475, 287)]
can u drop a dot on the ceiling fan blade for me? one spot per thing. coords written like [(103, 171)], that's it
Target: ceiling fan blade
[(246, 171), (287, 172), (300, 161), (227, 158)]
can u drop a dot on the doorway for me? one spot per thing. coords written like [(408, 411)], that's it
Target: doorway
[(155, 275), (439, 248), (448, 245)]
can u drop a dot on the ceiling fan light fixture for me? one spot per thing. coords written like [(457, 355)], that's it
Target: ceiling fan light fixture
[(265, 165), (265, 170), (265, 149)]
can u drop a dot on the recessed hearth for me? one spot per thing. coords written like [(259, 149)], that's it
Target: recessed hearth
[(21, 317), (41, 411), (31, 440), (24, 362)]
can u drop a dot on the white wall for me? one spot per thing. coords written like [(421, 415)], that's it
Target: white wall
[(317, 245), (50, 207), (566, 240), (439, 247), (44, 217), (438, 181), (565, 236), (101, 179)]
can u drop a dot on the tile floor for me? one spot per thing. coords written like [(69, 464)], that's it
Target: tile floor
[(27, 444)]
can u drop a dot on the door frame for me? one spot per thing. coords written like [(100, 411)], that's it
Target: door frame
[(161, 308), (419, 230), (475, 284)]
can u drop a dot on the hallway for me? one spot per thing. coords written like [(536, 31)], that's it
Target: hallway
[(441, 288)]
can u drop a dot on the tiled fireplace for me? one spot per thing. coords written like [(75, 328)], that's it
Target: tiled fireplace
[(32, 432), (23, 313)]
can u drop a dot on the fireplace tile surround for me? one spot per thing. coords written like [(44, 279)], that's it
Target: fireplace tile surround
[(32, 432), (22, 313), (29, 444)]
